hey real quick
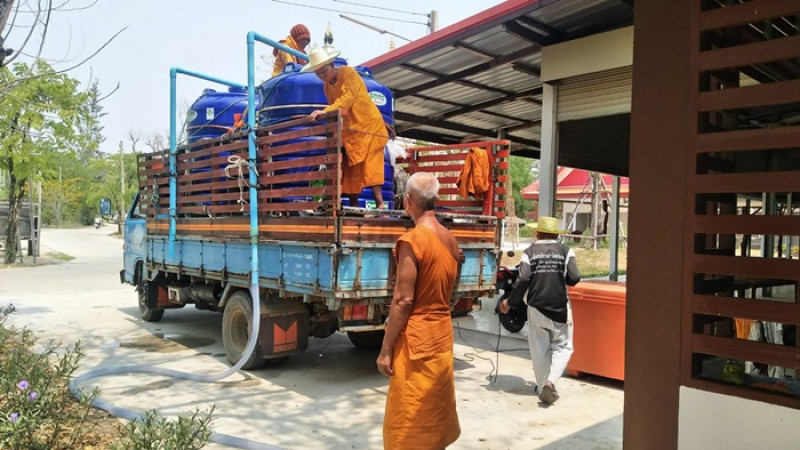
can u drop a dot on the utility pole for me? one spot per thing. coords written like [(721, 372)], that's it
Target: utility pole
[(121, 188), (433, 21)]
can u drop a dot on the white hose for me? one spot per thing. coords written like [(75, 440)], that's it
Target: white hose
[(128, 414)]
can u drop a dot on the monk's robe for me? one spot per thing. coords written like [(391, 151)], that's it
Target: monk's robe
[(421, 404), (364, 134), (282, 58)]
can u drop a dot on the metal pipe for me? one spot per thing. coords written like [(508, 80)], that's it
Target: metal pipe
[(173, 143)]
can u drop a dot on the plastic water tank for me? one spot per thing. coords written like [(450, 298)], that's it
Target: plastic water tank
[(212, 114)]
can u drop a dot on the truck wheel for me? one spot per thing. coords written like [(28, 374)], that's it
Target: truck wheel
[(148, 314), (367, 340), (236, 325)]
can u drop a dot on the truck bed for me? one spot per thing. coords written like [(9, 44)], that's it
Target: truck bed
[(307, 243)]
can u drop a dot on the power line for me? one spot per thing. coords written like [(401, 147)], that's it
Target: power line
[(349, 12), (382, 8)]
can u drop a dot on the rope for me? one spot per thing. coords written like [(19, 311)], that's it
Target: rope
[(235, 162)]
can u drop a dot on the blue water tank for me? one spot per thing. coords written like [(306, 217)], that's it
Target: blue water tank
[(212, 114), (380, 94)]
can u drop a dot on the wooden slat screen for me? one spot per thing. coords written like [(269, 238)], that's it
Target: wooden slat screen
[(742, 251)]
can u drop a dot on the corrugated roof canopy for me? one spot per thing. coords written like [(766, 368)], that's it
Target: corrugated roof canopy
[(482, 75)]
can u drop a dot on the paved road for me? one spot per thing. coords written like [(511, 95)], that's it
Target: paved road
[(330, 397)]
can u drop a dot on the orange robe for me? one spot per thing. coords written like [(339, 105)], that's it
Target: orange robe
[(364, 134), (474, 177), (421, 404), (282, 58)]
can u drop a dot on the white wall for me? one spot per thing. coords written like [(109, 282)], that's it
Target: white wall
[(708, 421)]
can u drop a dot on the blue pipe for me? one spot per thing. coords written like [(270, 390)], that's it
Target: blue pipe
[(173, 143)]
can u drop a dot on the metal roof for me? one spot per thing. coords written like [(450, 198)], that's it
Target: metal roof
[(482, 75)]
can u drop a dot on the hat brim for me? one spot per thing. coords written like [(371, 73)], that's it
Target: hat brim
[(310, 67), (535, 226)]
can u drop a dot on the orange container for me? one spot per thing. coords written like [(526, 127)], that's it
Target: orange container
[(598, 311)]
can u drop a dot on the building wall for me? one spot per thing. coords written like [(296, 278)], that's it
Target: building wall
[(737, 422)]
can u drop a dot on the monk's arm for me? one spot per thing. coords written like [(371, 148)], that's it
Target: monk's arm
[(401, 305)]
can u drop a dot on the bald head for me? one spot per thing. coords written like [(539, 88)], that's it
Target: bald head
[(423, 190)]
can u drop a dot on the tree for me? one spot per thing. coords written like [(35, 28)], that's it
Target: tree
[(62, 198), (41, 119), (521, 177)]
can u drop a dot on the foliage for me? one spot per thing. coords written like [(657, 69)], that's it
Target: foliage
[(521, 177), (63, 199), (153, 432), (38, 412), (45, 118)]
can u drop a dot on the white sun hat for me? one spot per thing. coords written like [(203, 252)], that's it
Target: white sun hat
[(318, 58)]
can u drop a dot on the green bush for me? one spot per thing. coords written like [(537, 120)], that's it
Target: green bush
[(154, 432), (38, 412)]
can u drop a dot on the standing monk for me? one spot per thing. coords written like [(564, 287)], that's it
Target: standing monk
[(364, 133), (299, 37), (417, 351)]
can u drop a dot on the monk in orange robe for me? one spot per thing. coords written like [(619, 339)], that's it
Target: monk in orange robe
[(299, 37), (417, 350), (364, 134)]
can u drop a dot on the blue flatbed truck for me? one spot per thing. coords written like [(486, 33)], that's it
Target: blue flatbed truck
[(321, 268)]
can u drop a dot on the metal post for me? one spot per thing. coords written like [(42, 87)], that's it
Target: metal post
[(613, 264), (31, 245), (433, 21), (548, 163)]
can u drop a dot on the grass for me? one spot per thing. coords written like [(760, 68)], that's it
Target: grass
[(592, 263)]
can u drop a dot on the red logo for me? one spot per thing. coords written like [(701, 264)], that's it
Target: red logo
[(284, 340)]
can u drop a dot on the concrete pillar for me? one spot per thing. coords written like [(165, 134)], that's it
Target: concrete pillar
[(548, 163)]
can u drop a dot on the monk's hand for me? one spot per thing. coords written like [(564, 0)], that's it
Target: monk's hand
[(504, 306), (384, 363), (314, 114)]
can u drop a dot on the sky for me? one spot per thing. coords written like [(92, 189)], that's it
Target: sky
[(209, 37)]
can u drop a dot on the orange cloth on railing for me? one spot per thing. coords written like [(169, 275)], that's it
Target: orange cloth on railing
[(474, 177)]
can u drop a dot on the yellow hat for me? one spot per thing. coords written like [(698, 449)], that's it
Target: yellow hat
[(546, 225)]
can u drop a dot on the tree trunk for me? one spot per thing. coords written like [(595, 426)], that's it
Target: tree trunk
[(16, 194)]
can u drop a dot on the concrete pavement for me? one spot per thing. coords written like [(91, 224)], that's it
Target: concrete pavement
[(330, 397)]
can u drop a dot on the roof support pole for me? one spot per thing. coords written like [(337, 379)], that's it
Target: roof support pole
[(548, 164)]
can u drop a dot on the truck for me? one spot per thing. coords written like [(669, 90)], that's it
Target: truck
[(195, 229)]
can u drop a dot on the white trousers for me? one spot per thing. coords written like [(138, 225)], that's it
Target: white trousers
[(550, 345)]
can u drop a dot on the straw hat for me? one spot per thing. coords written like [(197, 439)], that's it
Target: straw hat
[(318, 58), (546, 225)]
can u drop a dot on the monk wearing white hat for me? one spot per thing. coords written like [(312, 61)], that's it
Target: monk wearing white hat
[(364, 134)]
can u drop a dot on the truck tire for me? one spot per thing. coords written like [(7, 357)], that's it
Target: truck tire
[(236, 325), (367, 340), (143, 290)]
